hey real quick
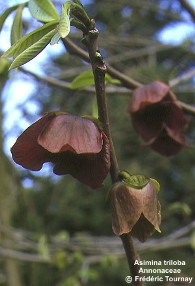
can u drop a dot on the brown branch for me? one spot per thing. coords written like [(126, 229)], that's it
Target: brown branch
[(184, 77), (99, 69), (188, 8), (67, 85), (125, 80), (132, 256), (76, 50)]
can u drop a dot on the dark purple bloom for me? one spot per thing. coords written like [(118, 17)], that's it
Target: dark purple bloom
[(75, 146), (158, 119)]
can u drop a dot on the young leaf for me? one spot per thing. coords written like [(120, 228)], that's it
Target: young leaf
[(33, 50), (16, 31), (110, 80), (29, 39), (84, 79), (64, 24), (8, 11), (43, 10), (55, 39)]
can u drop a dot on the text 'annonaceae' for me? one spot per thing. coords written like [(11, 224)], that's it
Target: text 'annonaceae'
[(157, 118), (135, 206), (75, 145)]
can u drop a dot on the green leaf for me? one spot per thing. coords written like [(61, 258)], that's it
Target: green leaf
[(181, 207), (84, 79), (29, 39), (16, 31), (64, 24), (43, 10), (110, 80), (55, 39), (33, 50), (8, 11)]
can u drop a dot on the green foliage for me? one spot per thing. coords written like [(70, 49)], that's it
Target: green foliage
[(180, 207), (86, 79), (43, 10), (16, 31), (31, 45), (43, 246), (82, 80), (8, 11), (64, 24)]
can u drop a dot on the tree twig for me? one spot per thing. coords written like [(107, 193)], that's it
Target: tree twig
[(99, 69), (184, 77), (125, 80), (188, 8), (67, 85), (75, 49)]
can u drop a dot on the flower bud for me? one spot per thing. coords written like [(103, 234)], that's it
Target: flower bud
[(135, 206)]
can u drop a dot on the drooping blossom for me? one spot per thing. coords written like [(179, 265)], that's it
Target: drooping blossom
[(135, 209), (75, 146), (158, 119)]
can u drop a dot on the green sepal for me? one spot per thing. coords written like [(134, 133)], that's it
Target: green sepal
[(134, 181), (156, 184), (58, 112)]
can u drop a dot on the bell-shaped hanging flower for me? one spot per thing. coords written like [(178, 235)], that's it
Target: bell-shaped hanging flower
[(135, 206), (75, 145), (157, 118)]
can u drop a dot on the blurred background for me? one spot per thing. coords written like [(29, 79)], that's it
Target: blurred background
[(55, 231)]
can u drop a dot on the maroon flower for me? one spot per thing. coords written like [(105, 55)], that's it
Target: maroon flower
[(75, 146), (157, 118), (135, 209)]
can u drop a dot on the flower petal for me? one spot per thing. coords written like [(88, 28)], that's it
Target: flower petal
[(26, 151), (147, 95), (175, 119), (167, 143), (127, 207), (151, 205), (149, 122), (71, 133), (90, 169)]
